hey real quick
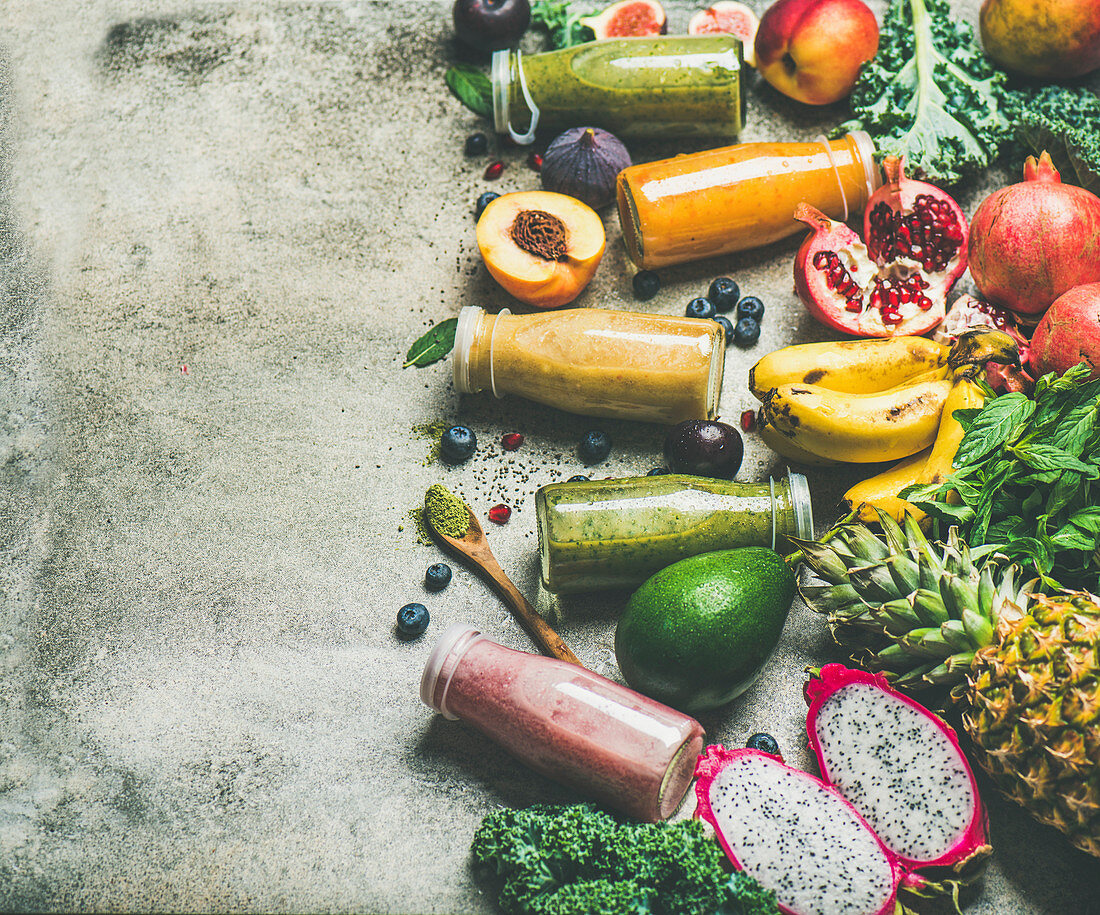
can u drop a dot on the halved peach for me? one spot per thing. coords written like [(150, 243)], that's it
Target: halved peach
[(540, 246)]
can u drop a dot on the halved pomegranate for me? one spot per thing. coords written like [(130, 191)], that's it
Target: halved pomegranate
[(728, 17), (629, 19), (898, 282), (969, 312)]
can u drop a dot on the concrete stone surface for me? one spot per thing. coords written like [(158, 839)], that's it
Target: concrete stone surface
[(221, 226)]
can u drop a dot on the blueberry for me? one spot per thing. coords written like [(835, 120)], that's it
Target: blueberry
[(724, 293), (594, 447), (457, 445), (477, 144), (646, 285), (750, 307), (483, 201), (578, 478), (412, 620), (726, 326), (747, 332), (437, 577), (700, 308), (764, 742), (658, 472)]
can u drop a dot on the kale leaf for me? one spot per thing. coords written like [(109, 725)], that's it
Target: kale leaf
[(931, 95), (1063, 122), (563, 26)]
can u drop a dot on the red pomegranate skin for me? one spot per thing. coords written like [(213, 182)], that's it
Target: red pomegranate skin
[(1069, 332), (1033, 241)]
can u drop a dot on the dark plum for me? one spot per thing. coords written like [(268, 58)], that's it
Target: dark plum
[(705, 448), (489, 25)]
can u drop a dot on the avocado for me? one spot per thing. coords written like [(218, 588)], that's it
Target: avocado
[(698, 633)]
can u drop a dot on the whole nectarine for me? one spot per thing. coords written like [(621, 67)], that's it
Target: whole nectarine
[(812, 50), (541, 246), (1048, 38)]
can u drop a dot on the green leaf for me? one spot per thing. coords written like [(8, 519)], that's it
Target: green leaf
[(1072, 538), (562, 25), (1088, 519), (993, 427), (471, 87), (433, 345), (1047, 457)]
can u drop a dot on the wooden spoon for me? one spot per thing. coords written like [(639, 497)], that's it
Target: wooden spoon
[(474, 547)]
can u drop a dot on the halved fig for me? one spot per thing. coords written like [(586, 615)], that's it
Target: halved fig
[(728, 17), (629, 19), (541, 246)]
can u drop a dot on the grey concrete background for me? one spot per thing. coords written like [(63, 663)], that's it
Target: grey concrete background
[(221, 225)]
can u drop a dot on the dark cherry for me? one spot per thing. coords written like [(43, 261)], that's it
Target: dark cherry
[(490, 25), (704, 448)]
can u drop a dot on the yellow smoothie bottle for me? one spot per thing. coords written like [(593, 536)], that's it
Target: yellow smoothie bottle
[(596, 362)]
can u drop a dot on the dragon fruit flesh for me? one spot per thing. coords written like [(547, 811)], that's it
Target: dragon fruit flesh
[(896, 806)]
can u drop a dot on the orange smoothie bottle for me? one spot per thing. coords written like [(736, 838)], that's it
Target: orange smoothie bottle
[(724, 200), (596, 362)]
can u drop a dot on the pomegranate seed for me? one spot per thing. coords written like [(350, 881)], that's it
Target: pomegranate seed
[(499, 514), (893, 298), (748, 420), (924, 303), (821, 258), (534, 162), (891, 317), (854, 306), (511, 441), (494, 171)]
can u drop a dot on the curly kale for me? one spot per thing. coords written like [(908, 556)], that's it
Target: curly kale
[(581, 861), (930, 94), (1063, 122)]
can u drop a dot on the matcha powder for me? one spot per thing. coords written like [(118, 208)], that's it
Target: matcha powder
[(446, 512)]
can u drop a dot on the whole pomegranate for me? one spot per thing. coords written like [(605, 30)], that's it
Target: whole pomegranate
[(1069, 332), (1032, 241), (898, 282)]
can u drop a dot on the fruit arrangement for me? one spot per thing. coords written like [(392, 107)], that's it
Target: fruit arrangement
[(991, 431)]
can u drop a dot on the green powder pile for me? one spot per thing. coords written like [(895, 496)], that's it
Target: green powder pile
[(446, 512)]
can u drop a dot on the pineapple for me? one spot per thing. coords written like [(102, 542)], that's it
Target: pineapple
[(1023, 667)]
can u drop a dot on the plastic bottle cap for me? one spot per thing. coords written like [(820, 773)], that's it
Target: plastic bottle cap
[(802, 505), (457, 639), (468, 318)]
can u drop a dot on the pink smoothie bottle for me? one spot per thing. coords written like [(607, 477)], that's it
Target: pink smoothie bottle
[(602, 739)]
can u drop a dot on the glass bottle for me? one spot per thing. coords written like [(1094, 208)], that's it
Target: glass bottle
[(667, 86), (723, 200), (600, 738), (616, 533), (596, 362)]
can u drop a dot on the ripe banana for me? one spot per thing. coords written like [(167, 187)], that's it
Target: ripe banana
[(853, 366), (782, 445), (862, 428), (965, 395), (933, 465), (881, 491)]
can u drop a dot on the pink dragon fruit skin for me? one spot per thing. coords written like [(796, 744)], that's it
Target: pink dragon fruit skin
[(883, 864), (972, 839), (876, 787)]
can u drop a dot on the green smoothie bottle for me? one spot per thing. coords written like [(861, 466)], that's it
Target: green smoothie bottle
[(669, 86), (616, 533)]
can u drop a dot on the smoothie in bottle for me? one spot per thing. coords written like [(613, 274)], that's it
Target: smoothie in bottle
[(606, 741), (596, 362)]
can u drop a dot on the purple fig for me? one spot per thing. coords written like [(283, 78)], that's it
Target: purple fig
[(584, 162)]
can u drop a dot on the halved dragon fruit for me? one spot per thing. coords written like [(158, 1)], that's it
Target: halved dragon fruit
[(896, 807)]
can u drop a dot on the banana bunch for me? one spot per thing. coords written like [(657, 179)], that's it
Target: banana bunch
[(867, 401)]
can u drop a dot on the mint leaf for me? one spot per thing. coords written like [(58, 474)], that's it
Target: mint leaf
[(471, 87), (1047, 457), (432, 346), (993, 427)]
